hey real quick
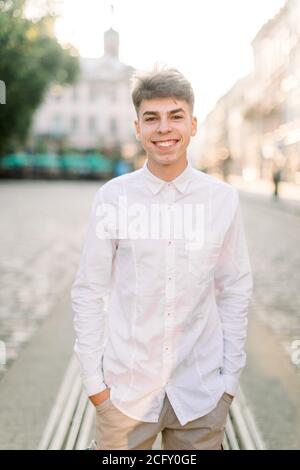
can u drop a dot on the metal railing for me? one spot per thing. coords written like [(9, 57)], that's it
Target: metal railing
[(71, 419), (70, 424), (241, 432)]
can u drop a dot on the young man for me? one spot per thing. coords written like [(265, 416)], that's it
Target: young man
[(167, 352)]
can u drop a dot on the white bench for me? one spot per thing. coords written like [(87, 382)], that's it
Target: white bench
[(71, 422)]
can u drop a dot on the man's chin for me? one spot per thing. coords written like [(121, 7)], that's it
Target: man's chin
[(164, 159)]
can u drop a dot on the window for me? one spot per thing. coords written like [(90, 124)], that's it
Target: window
[(93, 95), (113, 126), (57, 122), (74, 123), (92, 124)]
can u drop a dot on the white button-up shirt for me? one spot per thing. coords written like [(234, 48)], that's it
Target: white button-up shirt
[(158, 307)]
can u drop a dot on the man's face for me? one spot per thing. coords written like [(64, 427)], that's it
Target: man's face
[(164, 127)]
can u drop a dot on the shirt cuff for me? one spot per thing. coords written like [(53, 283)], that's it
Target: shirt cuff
[(231, 384), (93, 385)]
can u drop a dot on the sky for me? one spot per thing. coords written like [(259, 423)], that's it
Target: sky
[(209, 41)]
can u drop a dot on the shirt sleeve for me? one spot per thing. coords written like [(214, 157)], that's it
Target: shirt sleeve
[(89, 293), (234, 283)]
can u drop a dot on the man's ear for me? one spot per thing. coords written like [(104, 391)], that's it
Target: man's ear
[(137, 130), (194, 125)]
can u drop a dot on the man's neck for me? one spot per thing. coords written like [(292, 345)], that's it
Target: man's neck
[(167, 172)]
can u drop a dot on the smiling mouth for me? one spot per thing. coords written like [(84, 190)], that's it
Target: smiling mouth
[(164, 144)]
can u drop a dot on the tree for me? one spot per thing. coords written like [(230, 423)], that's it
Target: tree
[(31, 59)]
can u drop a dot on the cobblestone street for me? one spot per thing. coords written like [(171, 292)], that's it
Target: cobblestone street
[(42, 228), (273, 238), (271, 380)]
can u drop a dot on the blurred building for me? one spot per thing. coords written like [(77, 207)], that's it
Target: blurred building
[(97, 111), (225, 131), (256, 125)]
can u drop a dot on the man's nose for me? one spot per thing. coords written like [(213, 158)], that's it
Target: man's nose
[(164, 126)]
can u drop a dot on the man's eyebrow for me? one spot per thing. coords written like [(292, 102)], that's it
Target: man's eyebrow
[(146, 113), (173, 111), (178, 110)]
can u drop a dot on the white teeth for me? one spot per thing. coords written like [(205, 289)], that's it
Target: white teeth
[(166, 143)]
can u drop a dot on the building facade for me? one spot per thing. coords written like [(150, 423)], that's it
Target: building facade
[(96, 112), (257, 122)]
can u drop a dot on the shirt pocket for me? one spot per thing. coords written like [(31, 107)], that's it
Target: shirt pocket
[(202, 262)]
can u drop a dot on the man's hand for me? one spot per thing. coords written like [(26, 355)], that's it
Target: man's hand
[(231, 396), (100, 397)]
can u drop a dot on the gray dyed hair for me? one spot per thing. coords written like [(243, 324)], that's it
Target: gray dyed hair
[(161, 83)]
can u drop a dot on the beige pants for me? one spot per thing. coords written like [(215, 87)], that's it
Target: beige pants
[(115, 430)]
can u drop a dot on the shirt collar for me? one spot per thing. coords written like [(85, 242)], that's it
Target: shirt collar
[(180, 182)]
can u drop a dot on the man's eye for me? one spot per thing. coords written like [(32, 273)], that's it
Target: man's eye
[(150, 119), (177, 116)]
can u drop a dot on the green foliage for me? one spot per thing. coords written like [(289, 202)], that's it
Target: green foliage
[(31, 59)]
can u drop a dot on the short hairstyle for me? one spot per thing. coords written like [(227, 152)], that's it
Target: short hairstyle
[(161, 83)]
